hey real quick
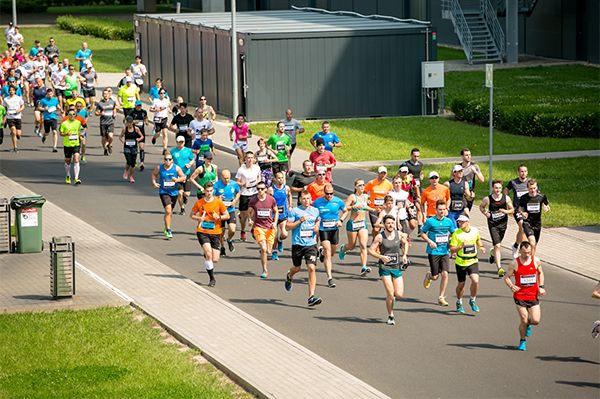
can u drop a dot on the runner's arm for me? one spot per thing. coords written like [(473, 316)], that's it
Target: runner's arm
[(511, 208), (541, 280), (154, 176), (373, 249), (508, 275), (483, 206)]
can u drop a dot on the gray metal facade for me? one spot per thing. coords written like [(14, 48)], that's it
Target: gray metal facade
[(321, 65)]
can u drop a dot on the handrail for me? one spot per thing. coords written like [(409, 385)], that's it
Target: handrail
[(489, 15), (356, 14), (451, 10)]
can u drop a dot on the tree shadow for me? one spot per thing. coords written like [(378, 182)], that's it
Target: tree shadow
[(570, 359), (352, 319), (484, 346)]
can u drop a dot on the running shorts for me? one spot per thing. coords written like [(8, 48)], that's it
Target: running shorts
[(50, 125), (333, 236), (87, 93), (130, 155), (166, 199), (395, 273), (262, 234), (245, 201), (532, 231), (527, 303), (300, 252), (69, 151), (213, 239), (106, 129), (497, 233), (438, 263), (14, 122), (158, 126), (231, 220), (462, 271), (186, 186)]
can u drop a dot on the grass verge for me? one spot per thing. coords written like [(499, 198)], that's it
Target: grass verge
[(101, 353), (393, 138), (102, 27), (108, 55), (571, 185)]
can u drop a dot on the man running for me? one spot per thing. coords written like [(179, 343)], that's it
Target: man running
[(527, 288), (459, 193), (140, 118), (184, 158), (470, 171), (263, 215), (519, 187), (180, 125), (139, 72), (464, 243), (168, 175), (496, 207), (248, 175), (89, 79), (301, 180), (317, 187), (283, 197), (330, 139), (209, 212), (161, 107), (530, 208), (49, 105), (377, 190), (329, 207), (415, 170), (127, 96), (14, 105), (386, 248), (229, 192), (402, 194), (106, 110), (280, 143), (433, 194), (303, 221), (70, 130), (323, 160), (292, 129), (436, 232)]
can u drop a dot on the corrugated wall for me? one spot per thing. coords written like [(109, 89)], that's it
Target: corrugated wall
[(195, 76), (167, 59), (209, 66), (153, 63), (142, 35), (224, 87), (180, 56)]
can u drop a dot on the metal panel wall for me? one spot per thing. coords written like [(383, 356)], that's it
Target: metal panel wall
[(344, 76), (166, 54), (224, 89), (142, 32), (180, 57), (209, 66), (194, 50), (153, 62)]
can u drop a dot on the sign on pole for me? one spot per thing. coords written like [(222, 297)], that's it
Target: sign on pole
[(489, 82)]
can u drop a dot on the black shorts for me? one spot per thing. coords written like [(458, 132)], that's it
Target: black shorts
[(280, 167), (50, 125), (292, 148), (527, 303), (187, 186), (87, 93), (245, 201), (69, 151), (438, 263), (130, 155), (532, 231), (59, 92), (309, 254), (158, 126), (462, 271), (497, 232), (14, 122), (333, 236), (231, 220), (106, 129), (166, 199), (470, 203), (213, 239)]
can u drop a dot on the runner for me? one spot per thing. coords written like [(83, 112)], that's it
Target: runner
[(330, 139), (301, 180), (377, 190), (329, 207), (209, 212), (459, 194), (168, 175), (130, 137), (496, 207), (283, 197), (207, 111), (464, 243), (89, 80), (14, 107), (140, 118), (197, 125), (530, 208), (263, 218), (386, 248), (139, 72), (303, 222), (153, 92), (205, 172), (106, 110), (470, 171), (248, 175), (38, 92), (317, 187), (70, 82), (82, 113), (280, 143), (433, 194), (401, 193), (57, 79), (180, 125), (70, 130), (184, 158), (229, 192), (519, 187), (242, 133), (127, 96), (436, 232), (356, 227), (201, 146), (415, 168), (388, 209), (323, 161), (83, 54), (292, 129), (2, 121), (48, 106), (265, 157), (528, 286), (161, 107)]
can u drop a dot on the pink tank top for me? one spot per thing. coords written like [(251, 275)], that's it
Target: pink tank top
[(241, 133)]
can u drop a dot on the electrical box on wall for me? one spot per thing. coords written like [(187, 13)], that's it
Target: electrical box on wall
[(432, 74)]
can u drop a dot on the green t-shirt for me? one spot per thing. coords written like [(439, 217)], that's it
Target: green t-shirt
[(128, 95), (466, 256), (71, 81), (2, 112), (69, 129), (280, 145)]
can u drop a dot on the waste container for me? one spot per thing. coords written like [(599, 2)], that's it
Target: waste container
[(28, 220), (4, 225), (62, 267)]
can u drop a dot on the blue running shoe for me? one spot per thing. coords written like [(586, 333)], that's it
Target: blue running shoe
[(274, 256), (473, 305), (288, 282), (522, 345), (528, 331), (342, 253), (280, 246), (459, 307)]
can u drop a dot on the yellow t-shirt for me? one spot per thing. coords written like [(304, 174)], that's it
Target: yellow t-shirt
[(69, 129), (74, 101), (128, 95), (467, 255)]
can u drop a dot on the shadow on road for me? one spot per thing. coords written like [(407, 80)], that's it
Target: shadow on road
[(352, 319), (581, 384), (166, 275), (263, 301), (484, 346), (433, 310), (574, 359), (34, 297)]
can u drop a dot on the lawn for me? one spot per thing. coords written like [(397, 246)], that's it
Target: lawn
[(393, 138), (571, 185), (109, 55), (102, 353), (449, 53)]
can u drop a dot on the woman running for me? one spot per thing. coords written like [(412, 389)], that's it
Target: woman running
[(242, 134)]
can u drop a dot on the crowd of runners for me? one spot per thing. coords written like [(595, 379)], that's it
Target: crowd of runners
[(267, 200)]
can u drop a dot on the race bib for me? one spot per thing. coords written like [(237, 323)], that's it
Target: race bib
[(12, 112), (140, 124), (139, 82), (306, 233), (227, 203), (108, 112), (280, 147), (51, 109), (73, 137), (469, 250), (263, 212), (393, 259), (321, 168), (208, 225), (521, 193), (183, 128), (280, 209), (378, 202), (402, 214), (262, 158), (441, 238), (251, 183), (497, 215), (358, 225), (533, 208), (417, 182), (329, 224), (528, 280), (157, 119), (130, 143), (457, 205), (131, 99), (169, 183)]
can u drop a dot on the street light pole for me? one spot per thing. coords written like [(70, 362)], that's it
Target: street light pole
[(234, 64), (14, 9)]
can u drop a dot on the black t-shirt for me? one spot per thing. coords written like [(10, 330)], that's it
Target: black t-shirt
[(533, 207), (138, 118), (414, 169), (301, 180), (182, 122)]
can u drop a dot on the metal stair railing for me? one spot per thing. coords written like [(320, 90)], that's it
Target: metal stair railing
[(451, 10), (491, 20)]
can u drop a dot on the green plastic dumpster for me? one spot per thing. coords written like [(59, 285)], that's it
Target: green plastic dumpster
[(28, 222)]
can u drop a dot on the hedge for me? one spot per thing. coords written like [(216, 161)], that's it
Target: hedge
[(105, 28)]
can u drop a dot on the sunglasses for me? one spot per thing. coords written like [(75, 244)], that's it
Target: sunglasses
[(320, 174), (328, 193), (168, 159), (434, 177), (71, 114), (261, 188), (360, 185), (203, 99)]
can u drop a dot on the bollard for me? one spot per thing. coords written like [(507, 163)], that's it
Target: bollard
[(62, 267)]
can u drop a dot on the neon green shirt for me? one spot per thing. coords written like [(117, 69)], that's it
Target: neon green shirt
[(128, 95), (69, 129), (2, 112), (466, 256), (280, 144), (71, 82)]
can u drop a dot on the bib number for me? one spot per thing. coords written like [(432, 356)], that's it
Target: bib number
[(469, 250), (169, 184), (280, 147), (457, 205), (73, 137), (157, 119), (533, 208), (393, 259), (140, 124), (51, 109), (528, 280), (251, 183), (208, 225), (139, 82), (280, 209), (263, 212), (306, 233), (378, 202), (521, 193), (441, 239), (131, 99), (497, 215), (358, 225), (329, 224), (183, 128), (130, 143), (261, 158), (227, 203)]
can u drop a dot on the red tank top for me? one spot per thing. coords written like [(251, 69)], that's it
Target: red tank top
[(526, 278)]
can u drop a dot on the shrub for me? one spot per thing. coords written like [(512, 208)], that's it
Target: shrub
[(105, 28)]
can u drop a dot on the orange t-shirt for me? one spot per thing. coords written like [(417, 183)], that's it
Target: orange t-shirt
[(316, 190), (431, 196), (210, 225), (377, 191)]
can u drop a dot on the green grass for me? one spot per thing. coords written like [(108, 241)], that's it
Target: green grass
[(393, 138), (100, 353), (449, 53), (108, 55), (104, 9), (102, 27), (571, 185)]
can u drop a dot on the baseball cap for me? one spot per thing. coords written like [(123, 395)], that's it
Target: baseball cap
[(138, 102), (404, 169), (180, 139), (463, 218), (457, 168), (382, 169), (128, 79), (433, 173)]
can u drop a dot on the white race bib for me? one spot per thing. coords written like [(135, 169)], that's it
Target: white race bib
[(263, 212), (227, 203), (139, 82), (528, 280), (183, 128), (131, 99), (321, 168), (358, 225), (329, 224), (139, 123), (157, 119), (497, 215), (73, 137), (130, 143), (251, 183), (306, 233), (378, 202), (533, 208), (169, 183), (521, 193), (51, 109), (441, 238)]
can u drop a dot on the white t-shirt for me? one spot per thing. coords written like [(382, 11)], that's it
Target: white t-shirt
[(196, 126), (16, 39), (57, 77), (163, 105), (138, 71), (400, 199), (249, 177), (41, 69), (12, 104)]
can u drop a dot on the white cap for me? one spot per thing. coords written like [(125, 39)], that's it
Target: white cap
[(404, 169), (463, 218), (433, 173), (180, 138), (382, 169), (128, 79), (457, 168)]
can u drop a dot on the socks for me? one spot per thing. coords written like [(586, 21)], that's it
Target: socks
[(211, 274), (142, 155), (208, 264), (76, 170), (68, 169)]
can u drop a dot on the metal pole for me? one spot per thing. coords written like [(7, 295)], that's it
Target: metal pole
[(234, 65), (178, 8), (491, 132), (14, 8), (512, 31)]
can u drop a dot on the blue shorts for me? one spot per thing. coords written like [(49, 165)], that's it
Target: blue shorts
[(395, 273)]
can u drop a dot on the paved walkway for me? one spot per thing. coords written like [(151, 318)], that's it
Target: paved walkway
[(264, 361)]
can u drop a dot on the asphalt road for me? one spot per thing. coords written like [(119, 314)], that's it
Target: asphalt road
[(431, 352)]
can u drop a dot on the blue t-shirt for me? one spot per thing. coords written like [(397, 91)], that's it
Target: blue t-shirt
[(153, 92), (83, 113), (181, 157), (5, 92), (281, 198), (439, 232), (49, 103), (327, 138), (228, 193), (83, 54), (203, 146), (329, 212), (304, 233), (167, 185)]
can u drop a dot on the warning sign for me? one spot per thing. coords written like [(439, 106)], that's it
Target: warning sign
[(29, 217)]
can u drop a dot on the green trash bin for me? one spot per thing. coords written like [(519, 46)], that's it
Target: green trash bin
[(28, 222)]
